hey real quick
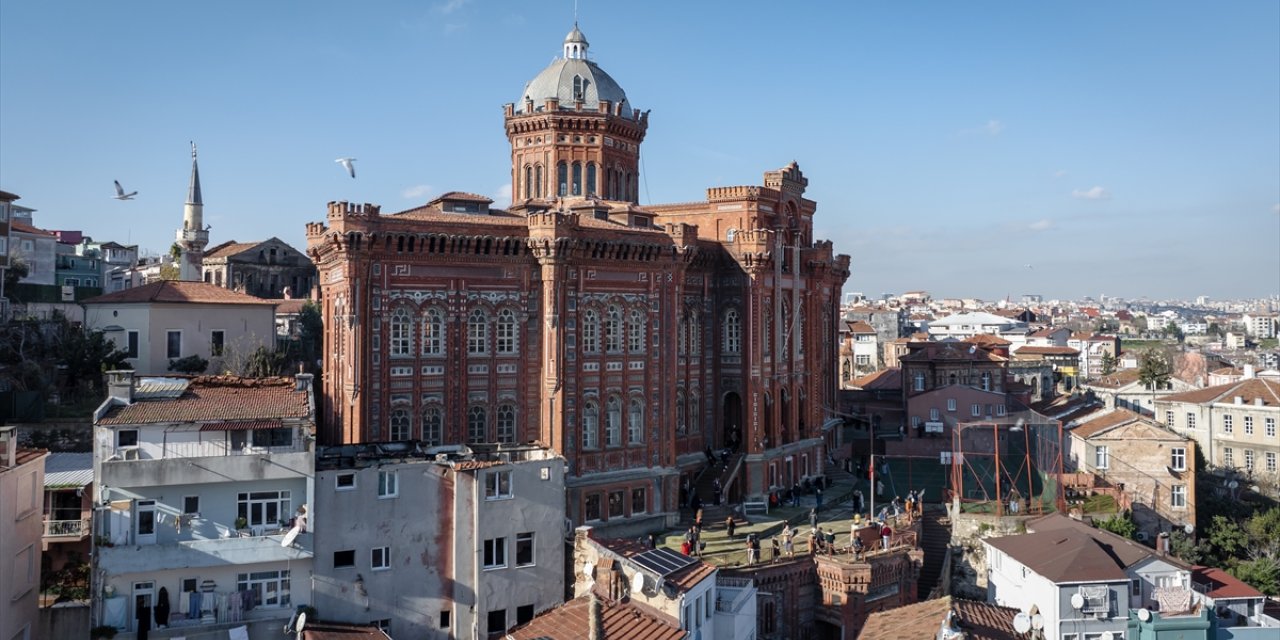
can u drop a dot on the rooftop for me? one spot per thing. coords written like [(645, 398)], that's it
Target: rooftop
[(1221, 585), (620, 621), (210, 399), (922, 621), (1066, 550), (68, 470), (1249, 390), (177, 291)]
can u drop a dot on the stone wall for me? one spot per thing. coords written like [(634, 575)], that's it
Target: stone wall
[(968, 558)]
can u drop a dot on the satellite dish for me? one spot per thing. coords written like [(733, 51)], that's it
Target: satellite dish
[(1144, 615), (291, 536), (973, 349), (1107, 635), (1022, 623), (637, 582), (1189, 528), (1037, 621), (1077, 601), (302, 622), (1233, 484)]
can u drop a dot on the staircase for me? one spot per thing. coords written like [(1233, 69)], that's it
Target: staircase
[(935, 529)]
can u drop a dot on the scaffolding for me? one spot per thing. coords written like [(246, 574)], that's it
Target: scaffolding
[(1008, 466)]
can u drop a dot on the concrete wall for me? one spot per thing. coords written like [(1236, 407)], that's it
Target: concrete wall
[(21, 527), (245, 327), (64, 621)]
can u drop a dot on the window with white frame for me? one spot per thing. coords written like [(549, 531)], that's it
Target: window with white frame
[(477, 332), (264, 508), (380, 558), (495, 553), (524, 549), (432, 426), (433, 332), (1271, 462), (635, 331), (613, 422), (862, 360), (1178, 496), (497, 485), (976, 409), (1248, 459), (388, 484), (915, 421), (344, 481), (951, 404), (933, 414), (635, 421), (1228, 457), (613, 329), (732, 332), (1178, 459), (270, 588), (1168, 417), (590, 425), (590, 331), (1001, 409), (507, 423), (401, 425), (1101, 458), (507, 333), (986, 380), (477, 424), (1096, 599), (401, 337), (1248, 425), (1269, 427)]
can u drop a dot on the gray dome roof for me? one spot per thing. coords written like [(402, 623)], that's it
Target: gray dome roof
[(575, 36), (556, 81)]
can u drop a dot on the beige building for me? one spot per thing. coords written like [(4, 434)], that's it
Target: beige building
[(170, 319), (1153, 466), (21, 527), (1123, 390), (1234, 424)]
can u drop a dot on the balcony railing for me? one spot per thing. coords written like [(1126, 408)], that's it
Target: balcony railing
[(66, 528)]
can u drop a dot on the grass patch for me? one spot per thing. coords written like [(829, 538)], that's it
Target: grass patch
[(1099, 503)]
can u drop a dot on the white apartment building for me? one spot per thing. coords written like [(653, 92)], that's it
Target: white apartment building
[(199, 480), (1261, 325)]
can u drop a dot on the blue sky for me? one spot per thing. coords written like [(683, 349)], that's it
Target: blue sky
[(1119, 148)]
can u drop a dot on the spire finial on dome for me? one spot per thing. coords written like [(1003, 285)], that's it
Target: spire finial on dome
[(575, 44)]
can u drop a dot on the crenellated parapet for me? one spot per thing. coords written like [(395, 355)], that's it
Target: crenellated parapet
[(721, 194), (343, 209)]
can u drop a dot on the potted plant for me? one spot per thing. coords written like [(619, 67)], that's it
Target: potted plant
[(242, 523)]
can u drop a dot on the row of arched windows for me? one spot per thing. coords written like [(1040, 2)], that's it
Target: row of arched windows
[(576, 179), (605, 331), (689, 340), (429, 427), (612, 422), (430, 335), (683, 419)]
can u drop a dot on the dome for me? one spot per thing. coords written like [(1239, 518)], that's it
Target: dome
[(573, 78)]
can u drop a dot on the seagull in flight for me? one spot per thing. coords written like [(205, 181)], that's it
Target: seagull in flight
[(347, 163), (121, 195), (1029, 266)]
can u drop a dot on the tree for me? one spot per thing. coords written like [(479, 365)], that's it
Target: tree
[(18, 269), (1154, 371), (190, 365), (1140, 323), (1108, 363), (1172, 330), (1121, 524), (86, 354), (311, 333)]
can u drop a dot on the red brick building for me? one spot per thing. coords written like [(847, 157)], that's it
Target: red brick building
[(626, 337)]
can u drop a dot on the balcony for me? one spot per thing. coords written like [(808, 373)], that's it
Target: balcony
[(218, 552), (66, 530)]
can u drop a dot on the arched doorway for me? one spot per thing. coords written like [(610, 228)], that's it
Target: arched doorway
[(731, 420)]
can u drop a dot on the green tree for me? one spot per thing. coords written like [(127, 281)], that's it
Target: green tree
[(18, 269), (190, 365), (1154, 371), (1171, 330), (1140, 323), (86, 354), (1121, 524), (311, 334), (1108, 363)]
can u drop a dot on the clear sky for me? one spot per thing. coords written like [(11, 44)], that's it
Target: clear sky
[(1120, 148)]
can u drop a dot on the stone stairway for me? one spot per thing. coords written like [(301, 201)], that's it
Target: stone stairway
[(935, 538)]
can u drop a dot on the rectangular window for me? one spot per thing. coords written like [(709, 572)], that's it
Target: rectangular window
[(951, 404), (264, 508), (497, 485), (495, 553), (524, 549), (976, 409), (1135, 588), (1228, 456), (862, 360), (173, 344), (388, 484), (917, 382), (1271, 462), (131, 348), (1001, 409), (344, 481), (1096, 598), (217, 341), (1270, 427), (616, 504), (1179, 459), (127, 438), (593, 507), (343, 559), (915, 421), (1178, 496), (191, 504), (497, 621), (1248, 425), (282, 437), (1248, 459), (1168, 417), (640, 502), (1100, 458), (524, 613), (380, 558), (445, 619), (933, 414), (270, 588)]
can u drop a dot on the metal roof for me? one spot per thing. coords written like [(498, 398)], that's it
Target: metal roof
[(556, 81), (663, 562), (67, 470), (160, 388)]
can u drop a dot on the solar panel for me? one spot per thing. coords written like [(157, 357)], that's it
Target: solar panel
[(663, 562)]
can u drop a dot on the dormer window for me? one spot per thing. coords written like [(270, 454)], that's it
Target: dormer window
[(580, 85)]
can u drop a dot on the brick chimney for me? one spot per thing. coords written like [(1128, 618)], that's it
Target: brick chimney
[(302, 381), (120, 384)]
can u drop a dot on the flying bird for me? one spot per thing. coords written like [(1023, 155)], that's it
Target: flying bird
[(1028, 266), (121, 195), (348, 164)]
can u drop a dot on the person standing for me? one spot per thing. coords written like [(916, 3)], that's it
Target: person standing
[(788, 543), (885, 533), (813, 541), (777, 551), (857, 547), (730, 525), (751, 550), (813, 518), (819, 497)]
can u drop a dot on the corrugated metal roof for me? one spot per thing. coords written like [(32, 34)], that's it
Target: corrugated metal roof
[(240, 425), (159, 388), (64, 470)]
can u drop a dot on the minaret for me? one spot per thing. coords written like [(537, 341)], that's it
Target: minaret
[(192, 237)]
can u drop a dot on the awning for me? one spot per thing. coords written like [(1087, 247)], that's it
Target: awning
[(241, 425)]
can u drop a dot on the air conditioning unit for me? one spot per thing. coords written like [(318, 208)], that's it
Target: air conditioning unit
[(1142, 536)]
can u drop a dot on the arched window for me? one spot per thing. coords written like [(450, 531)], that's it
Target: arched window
[(507, 423), (591, 179), (613, 422), (613, 329), (636, 330), (477, 332), (590, 425), (508, 338), (401, 332), (682, 336), (695, 334), (528, 181), (477, 425), (732, 332), (577, 178), (433, 332), (401, 425), (579, 90), (432, 426), (846, 370), (537, 181), (680, 422), (695, 420), (800, 330), (635, 421), (786, 330), (590, 331), (562, 178)]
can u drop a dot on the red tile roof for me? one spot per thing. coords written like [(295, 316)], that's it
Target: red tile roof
[(1105, 422), (177, 291), (922, 621), (1048, 351), (24, 456), (17, 225), (1249, 390), (890, 378), (338, 631), (461, 196), (928, 351), (859, 326), (987, 341), (229, 248), (1116, 380), (292, 305), (216, 399), (621, 621), (1220, 584)]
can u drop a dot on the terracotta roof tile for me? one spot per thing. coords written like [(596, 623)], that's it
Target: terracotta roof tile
[(229, 248), (860, 327), (1249, 390), (291, 305), (1104, 422), (1220, 584), (1048, 351), (986, 341), (24, 456), (890, 378), (461, 196), (621, 621), (922, 621), (177, 291), (216, 399), (337, 631), (1116, 380), (17, 225)]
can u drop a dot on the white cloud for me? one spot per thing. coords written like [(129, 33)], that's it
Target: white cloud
[(1040, 225), (502, 197), (1059, 173), (417, 191), (449, 6), (994, 127), (1095, 193)]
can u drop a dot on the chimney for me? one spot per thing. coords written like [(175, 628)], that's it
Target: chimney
[(595, 621), (302, 381), (120, 384), (1248, 371), (9, 438), (1239, 399)]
